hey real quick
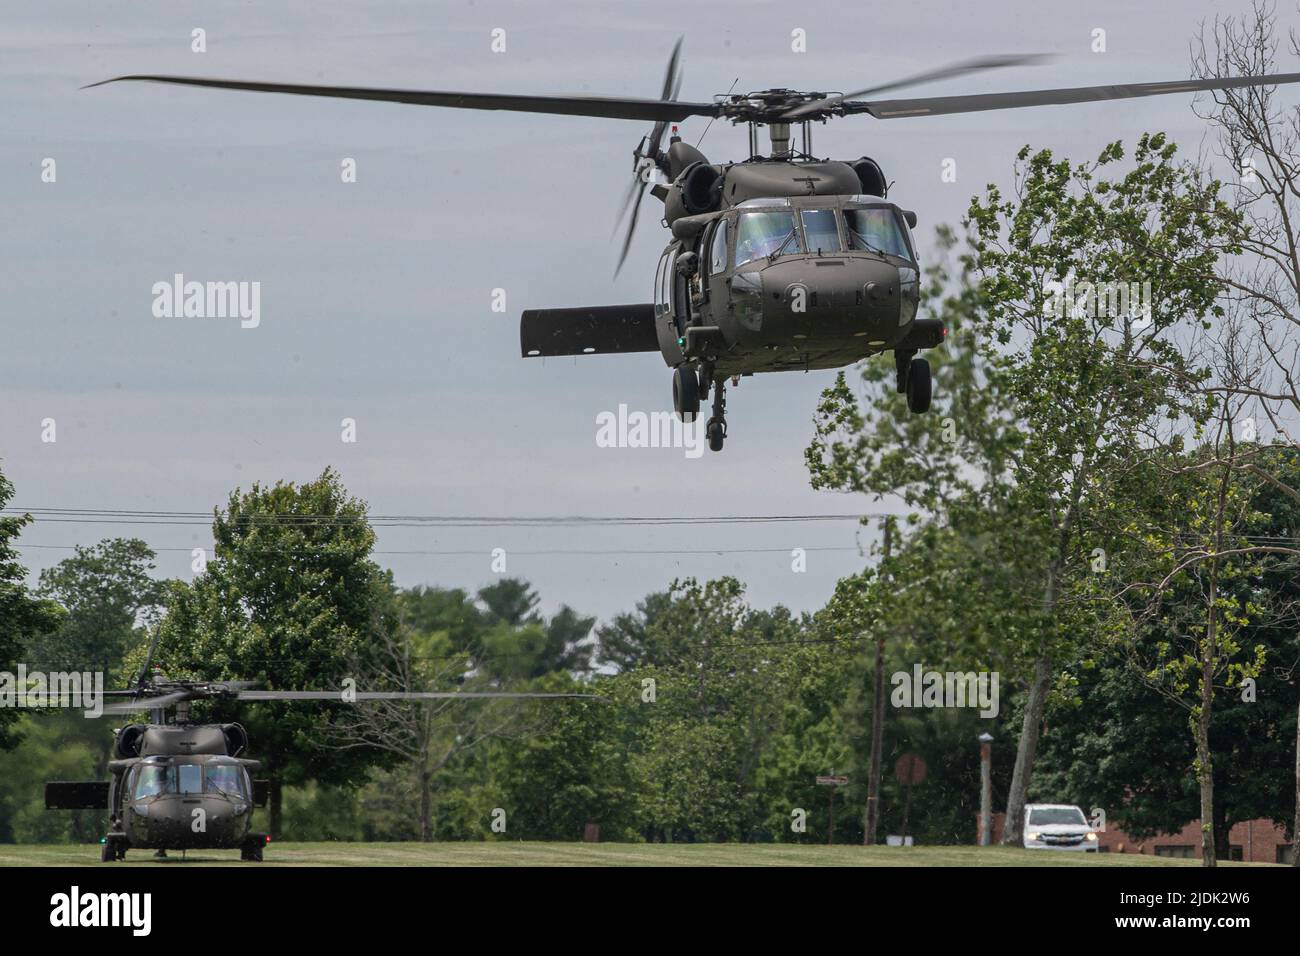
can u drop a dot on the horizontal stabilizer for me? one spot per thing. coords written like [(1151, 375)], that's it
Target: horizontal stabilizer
[(76, 795), (586, 331)]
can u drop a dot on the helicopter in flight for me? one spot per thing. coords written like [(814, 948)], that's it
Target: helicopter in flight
[(779, 262), (180, 785)]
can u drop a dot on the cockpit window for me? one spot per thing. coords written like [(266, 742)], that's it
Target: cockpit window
[(718, 255), (191, 778), (820, 230), (760, 234), (876, 229), (226, 779), (153, 779)]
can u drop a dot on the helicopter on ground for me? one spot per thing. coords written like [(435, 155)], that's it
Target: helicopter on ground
[(779, 262), (180, 785)]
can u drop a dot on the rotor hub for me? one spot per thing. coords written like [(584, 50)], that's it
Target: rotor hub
[(765, 107)]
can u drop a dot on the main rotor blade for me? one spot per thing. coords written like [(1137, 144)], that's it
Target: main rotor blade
[(978, 64), (148, 659), (673, 82), (609, 107), (337, 695), (631, 228), (980, 102), (634, 190), (147, 703)]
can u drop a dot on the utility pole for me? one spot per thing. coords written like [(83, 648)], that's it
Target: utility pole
[(986, 788), (872, 820)]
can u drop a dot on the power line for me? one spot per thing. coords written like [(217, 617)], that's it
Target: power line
[(594, 552), (143, 517)]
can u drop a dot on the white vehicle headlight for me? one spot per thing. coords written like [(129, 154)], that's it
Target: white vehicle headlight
[(1032, 836), (1091, 836)]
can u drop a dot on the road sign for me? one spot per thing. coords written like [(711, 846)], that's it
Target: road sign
[(832, 781), (910, 769)]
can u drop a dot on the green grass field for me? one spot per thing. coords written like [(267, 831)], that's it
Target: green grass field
[(588, 854)]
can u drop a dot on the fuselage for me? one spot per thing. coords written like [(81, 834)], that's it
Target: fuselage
[(785, 283), (181, 786), (185, 802)]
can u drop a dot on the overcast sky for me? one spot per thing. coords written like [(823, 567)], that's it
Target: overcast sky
[(376, 295)]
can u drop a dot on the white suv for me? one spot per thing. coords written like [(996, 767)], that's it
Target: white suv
[(1058, 826)]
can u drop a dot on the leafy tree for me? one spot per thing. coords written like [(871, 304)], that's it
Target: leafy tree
[(574, 770), (708, 717), (510, 601), (520, 643), (636, 638), (292, 601), (424, 735), (427, 610), (1259, 267), (55, 745), (110, 594), (1210, 630), (23, 617), (1072, 371), (1049, 444)]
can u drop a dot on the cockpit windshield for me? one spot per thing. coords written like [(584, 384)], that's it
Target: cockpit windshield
[(876, 229), (153, 779), (821, 230), (760, 234), (226, 779)]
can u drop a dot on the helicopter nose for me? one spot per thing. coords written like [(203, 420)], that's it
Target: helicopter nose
[(187, 821), (831, 297)]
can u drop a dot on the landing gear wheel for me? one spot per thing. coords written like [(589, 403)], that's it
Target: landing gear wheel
[(918, 386), (686, 393), (716, 428), (716, 431), (112, 849), (251, 851)]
